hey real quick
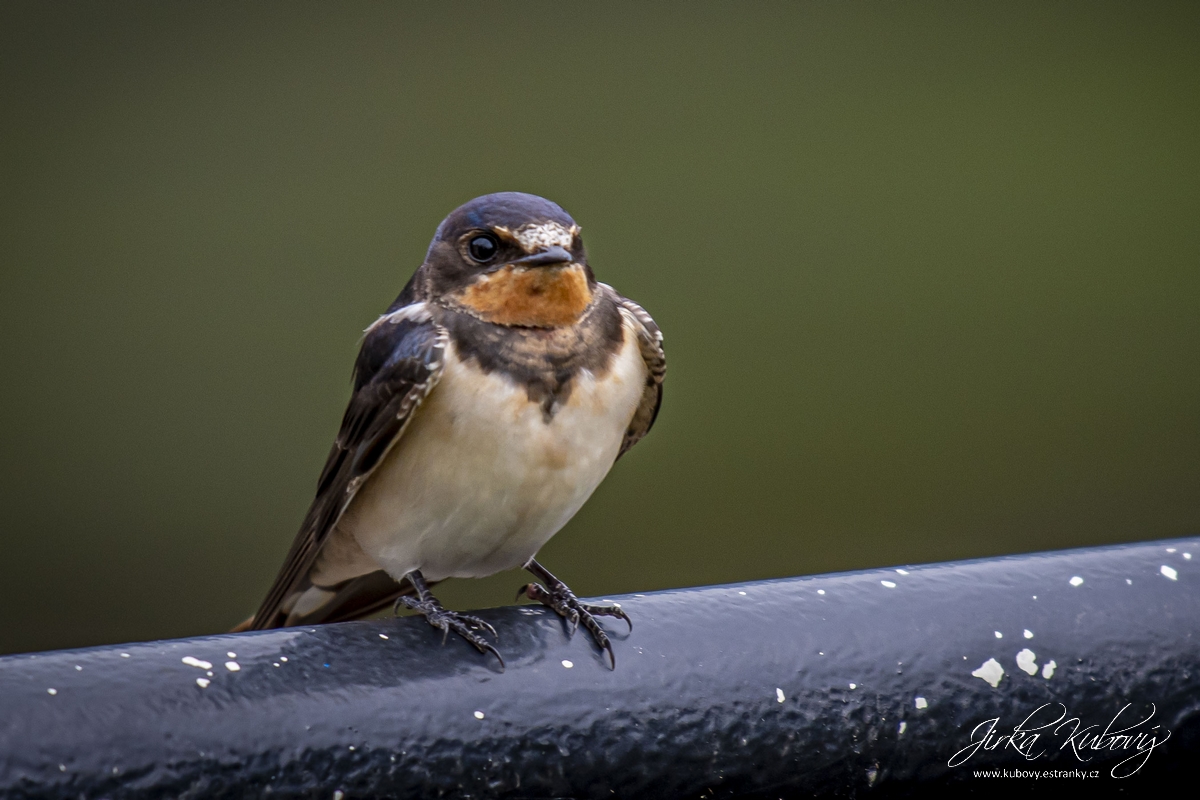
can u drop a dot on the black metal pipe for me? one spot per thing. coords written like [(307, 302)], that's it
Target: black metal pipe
[(858, 683)]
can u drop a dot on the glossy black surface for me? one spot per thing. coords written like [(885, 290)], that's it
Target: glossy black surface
[(774, 689)]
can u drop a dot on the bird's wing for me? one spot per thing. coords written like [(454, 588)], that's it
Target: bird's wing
[(650, 342), (400, 362)]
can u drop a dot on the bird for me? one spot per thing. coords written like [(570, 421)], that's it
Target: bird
[(488, 402)]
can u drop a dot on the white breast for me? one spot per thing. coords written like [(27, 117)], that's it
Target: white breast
[(481, 480)]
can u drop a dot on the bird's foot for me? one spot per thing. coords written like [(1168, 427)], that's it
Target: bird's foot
[(465, 625), (563, 601)]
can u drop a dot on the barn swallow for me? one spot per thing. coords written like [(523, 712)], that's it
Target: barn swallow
[(488, 403)]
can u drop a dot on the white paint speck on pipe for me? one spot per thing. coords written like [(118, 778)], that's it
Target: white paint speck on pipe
[(52, 691), (903, 727), (854, 686), (990, 671), (202, 682), (1169, 572), (383, 636), (568, 664), (820, 591), (1048, 670), (231, 654), (232, 666), (478, 715), (999, 635), (889, 584), (921, 702), (1026, 660), (195, 662), (1028, 633), (1076, 581), (779, 698)]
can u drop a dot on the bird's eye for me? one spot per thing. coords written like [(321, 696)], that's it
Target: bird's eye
[(483, 248)]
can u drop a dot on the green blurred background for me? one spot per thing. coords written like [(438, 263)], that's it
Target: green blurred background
[(929, 276)]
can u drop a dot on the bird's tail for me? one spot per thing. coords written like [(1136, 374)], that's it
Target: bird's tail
[(354, 599)]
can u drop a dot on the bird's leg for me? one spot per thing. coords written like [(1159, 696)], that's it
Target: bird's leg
[(557, 596), (464, 625)]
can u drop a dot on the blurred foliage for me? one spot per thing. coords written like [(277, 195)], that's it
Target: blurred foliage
[(929, 276)]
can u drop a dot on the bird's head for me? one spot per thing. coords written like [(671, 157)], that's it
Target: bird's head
[(511, 259)]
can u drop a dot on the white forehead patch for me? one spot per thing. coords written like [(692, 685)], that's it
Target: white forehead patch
[(534, 237)]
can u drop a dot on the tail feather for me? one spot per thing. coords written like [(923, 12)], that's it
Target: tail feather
[(354, 599)]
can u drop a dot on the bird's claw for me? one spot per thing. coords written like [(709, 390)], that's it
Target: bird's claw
[(465, 625), (564, 603)]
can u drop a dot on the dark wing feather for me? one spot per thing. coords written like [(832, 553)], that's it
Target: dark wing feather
[(399, 364), (650, 342)]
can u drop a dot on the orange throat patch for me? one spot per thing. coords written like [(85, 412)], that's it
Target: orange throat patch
[(539, 297)]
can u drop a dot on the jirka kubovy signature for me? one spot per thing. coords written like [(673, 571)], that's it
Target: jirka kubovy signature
[(1085, 741)]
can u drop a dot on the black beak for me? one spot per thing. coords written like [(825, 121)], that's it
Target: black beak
[(545, 257)]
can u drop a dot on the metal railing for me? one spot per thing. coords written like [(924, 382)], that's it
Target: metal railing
[(882, 682)]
